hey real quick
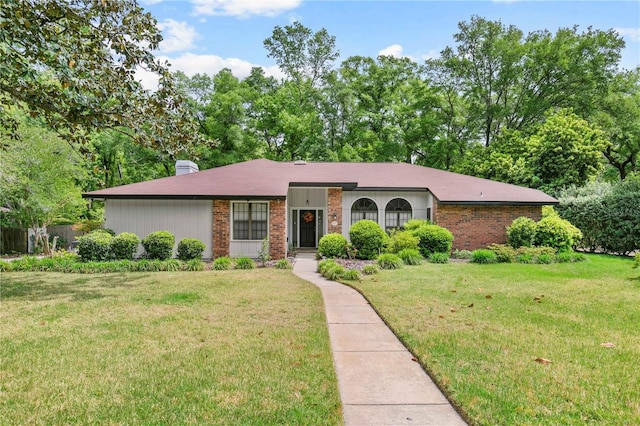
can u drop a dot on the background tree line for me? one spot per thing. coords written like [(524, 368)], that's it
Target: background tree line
[(545, 110)]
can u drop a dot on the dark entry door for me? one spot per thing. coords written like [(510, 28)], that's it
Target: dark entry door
[(308, 228)]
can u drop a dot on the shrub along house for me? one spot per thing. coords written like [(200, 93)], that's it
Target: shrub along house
[(233, 208)]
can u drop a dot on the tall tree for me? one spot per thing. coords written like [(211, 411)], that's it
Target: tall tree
[(39, 180), (73, 63), (618, 114), (510, 81)]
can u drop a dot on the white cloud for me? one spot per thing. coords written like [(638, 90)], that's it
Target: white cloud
[(394, 50), (632, 33), (177, 36), (243, 8), (191, 64)]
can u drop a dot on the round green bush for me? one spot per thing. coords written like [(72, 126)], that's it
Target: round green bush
[(95, 246), (190, 248), (159, 245), (124, 246), (433, 239), (401, 240), (483, 256), (522, 232), (332, 246), (368, 237), (389, 261), (411, 256), (552, 231), (413, 224)]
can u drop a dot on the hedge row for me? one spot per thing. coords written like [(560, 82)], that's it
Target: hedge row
[(369, 241), (502, 253), (71, 263), (100, 245)]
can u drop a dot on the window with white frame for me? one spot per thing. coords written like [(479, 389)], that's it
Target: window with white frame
[(250, 221), (364, 208), (397, 213)]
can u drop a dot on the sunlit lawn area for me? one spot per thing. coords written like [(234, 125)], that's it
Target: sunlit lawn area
[(480, 328), (233, 347)]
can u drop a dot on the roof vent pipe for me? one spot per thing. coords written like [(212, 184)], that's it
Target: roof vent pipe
[(184, 167)]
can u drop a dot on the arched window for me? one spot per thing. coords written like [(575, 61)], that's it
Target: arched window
[(397, 213), (364, 208)]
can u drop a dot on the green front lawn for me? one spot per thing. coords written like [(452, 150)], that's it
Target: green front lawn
[(237, 347), (479, 329)]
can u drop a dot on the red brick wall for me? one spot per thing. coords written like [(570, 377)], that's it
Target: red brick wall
[(277, 229), (476, 227), (221, 227), (334, 205)]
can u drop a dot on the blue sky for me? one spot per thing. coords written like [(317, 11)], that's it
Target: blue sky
[(204, 36)]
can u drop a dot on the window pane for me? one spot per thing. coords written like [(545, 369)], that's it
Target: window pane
[(240, 221), (259, 214), (364, 208)]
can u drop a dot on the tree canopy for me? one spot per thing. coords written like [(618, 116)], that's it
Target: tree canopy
[(73, 64)]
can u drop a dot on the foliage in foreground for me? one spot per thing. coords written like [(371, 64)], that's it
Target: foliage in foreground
[(522, 344)]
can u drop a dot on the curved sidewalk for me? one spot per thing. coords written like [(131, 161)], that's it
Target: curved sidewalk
[(379, 382)]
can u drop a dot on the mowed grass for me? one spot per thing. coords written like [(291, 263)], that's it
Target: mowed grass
[(478, 329), (232, 347)]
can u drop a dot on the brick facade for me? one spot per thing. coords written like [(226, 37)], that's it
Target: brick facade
[(221, 227), (334, 205), (476, 226), (277, 229)]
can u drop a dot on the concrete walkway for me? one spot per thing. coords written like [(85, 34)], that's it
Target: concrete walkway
[(378, 381)]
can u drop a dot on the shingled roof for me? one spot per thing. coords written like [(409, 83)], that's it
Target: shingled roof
[(266, 179)]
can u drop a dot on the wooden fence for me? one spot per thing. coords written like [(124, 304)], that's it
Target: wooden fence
[(13, 240)]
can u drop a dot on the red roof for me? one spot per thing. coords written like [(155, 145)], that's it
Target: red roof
[(270, 179)]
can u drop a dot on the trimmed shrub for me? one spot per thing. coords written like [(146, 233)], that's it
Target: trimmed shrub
[(410, 256), (95, 246), (283, 264), (222, 263), (522, 232), (433, 239), (462, 254), (124, 246), (552, 231), (195, 265), (484, 256), (413, 224), (389, 261), (352, 275), (401, 240), (504, 253), (368, 237), (159, 245), (439, 258), (245, 263), (370, 269), (190, 248), (332, 246)]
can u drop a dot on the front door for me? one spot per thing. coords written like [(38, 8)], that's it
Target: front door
[(308, 228)]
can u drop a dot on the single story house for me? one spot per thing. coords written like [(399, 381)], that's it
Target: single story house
[(233, 208)]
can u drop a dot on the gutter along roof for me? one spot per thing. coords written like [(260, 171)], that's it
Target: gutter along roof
[(266, 179)]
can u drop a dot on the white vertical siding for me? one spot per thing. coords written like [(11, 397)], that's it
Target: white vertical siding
[(420, 202), (307, 198), (183, 218)]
